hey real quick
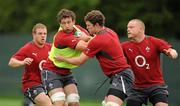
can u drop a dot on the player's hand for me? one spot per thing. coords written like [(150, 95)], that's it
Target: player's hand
[(84, 37), (27, 61), (59, 58), (172, 53)]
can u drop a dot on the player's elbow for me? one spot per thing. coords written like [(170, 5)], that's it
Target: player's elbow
[(78, 63), (10, 64), (78, 60)]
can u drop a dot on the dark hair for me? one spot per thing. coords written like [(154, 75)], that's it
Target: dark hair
[(65, 13), (95, 16)]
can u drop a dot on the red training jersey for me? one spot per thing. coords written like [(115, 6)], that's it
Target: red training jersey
[(31, 76), (107, 49), (63, 40), (144, 58)]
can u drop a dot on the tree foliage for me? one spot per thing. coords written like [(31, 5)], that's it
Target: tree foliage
[(160, 16)]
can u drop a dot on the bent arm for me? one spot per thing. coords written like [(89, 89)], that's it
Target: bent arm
[(85, 37), (81, 46), (172, 53), (17, 63), (74, 60)]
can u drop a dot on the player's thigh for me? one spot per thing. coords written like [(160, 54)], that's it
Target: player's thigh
[(70, 88), (34, 92), (42, 100), (122, 81), (159, 100), (159, 95), (121, 84), (137, 97), (55, 90), (114, 99), (70, 85), (52, 81)]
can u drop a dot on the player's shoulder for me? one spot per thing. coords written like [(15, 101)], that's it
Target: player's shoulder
[(60, 32), (81, 28), (110, 30), (59, 35), (152, 38), (28, 45), (125, 43), (48, 44), (78, 26)]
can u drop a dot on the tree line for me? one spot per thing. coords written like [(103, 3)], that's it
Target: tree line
[(161, 17)]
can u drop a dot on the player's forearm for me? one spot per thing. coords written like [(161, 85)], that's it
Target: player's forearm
[(15, 63), (81, 46), (74, 61), (85, 38)]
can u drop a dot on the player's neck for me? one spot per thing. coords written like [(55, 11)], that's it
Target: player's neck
[(99, 29), (38, 45), (139, 38)]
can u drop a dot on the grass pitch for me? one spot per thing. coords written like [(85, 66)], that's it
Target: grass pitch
[(19, 101)]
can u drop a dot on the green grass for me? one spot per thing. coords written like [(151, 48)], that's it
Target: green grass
[(10, 102), (18, 102), (90, 103)]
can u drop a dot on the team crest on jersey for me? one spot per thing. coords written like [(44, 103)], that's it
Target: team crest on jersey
[(147, 49)]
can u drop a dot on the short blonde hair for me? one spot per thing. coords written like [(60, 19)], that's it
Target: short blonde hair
[(38, 25), (140, 22)]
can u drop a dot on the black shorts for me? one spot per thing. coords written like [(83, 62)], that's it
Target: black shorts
[(52, 80), (154, 94), (121, 83), (31, 93)]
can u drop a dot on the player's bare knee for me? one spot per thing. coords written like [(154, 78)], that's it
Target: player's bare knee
[(73, 98), (111, 104), (161, 104), (60, 96)]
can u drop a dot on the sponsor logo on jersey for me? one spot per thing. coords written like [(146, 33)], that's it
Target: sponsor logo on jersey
[(35, 54), (130, 50)]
